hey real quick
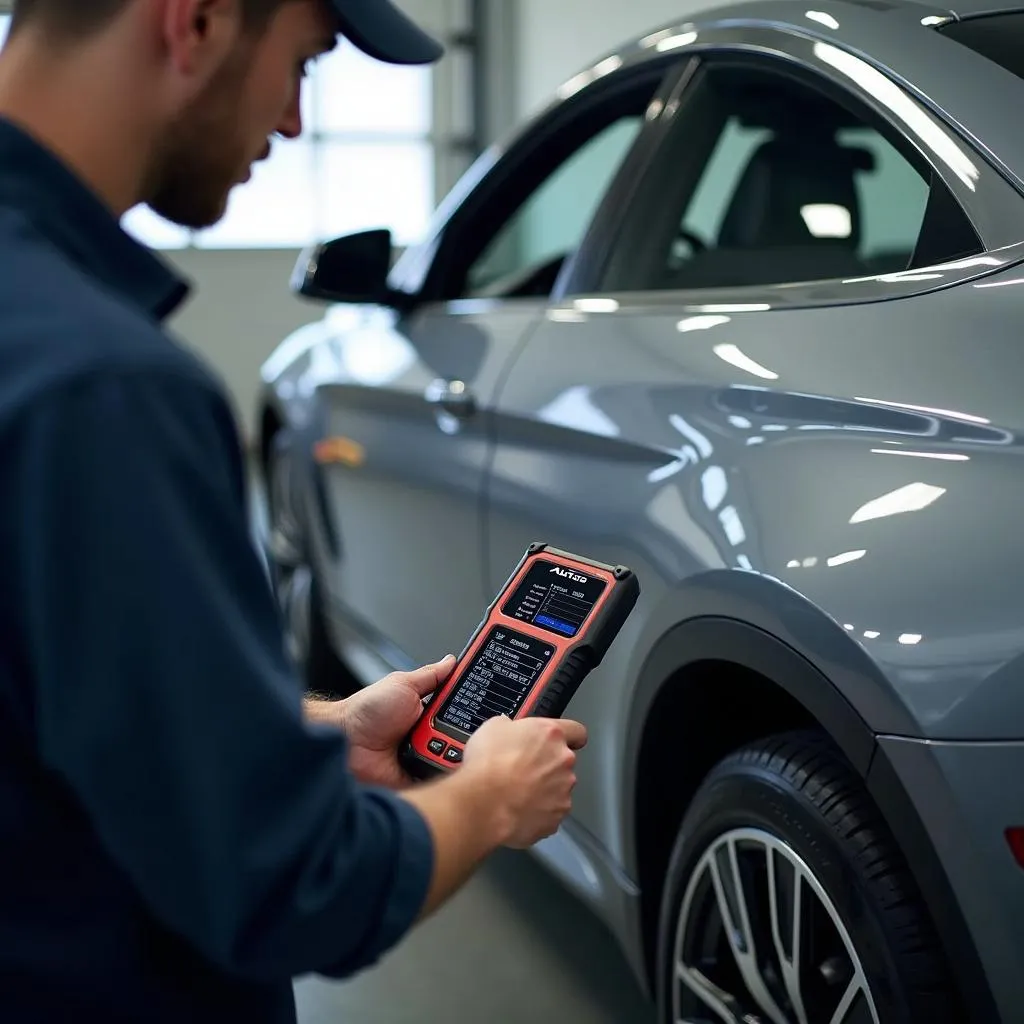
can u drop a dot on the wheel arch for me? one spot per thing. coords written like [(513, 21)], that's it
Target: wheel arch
[(714, 683)]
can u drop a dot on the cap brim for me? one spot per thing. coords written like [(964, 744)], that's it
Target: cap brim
[(382, 31)]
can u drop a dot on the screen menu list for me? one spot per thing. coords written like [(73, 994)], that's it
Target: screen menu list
[(498, 680)]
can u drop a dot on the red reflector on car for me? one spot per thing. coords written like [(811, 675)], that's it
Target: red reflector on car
[(1015, 837)]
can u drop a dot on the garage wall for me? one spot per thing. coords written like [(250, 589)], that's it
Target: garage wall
[(556, 40), (239, 311)]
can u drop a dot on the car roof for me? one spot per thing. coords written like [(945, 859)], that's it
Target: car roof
[(794, 12)]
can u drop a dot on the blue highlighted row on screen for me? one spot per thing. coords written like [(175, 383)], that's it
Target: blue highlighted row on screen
[(562, 627)]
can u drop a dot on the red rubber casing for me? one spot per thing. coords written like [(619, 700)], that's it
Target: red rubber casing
[(436, 746)]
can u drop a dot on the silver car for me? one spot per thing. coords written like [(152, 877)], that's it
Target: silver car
[(743, 309)]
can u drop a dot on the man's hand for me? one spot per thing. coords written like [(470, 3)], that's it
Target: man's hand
[(377, 719)]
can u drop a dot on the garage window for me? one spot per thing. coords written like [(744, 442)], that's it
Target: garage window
[(765, 180), (357, 165)]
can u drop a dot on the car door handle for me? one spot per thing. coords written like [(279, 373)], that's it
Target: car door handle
[(454, 396)]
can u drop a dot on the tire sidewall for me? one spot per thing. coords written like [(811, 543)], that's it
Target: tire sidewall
[(746, 796)]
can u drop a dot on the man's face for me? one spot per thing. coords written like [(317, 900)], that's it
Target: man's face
[(212, 145)]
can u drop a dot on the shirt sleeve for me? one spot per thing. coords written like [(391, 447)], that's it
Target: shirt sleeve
[(164, 698)]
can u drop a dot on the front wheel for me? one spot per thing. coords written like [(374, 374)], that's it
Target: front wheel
[(788, 902)]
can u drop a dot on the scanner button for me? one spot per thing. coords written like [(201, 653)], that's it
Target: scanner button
[(453, 754), (436, 747)]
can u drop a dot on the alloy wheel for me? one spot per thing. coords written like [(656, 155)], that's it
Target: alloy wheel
[(759, 941)]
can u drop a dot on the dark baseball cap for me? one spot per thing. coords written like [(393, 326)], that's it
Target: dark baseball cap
[(385, 33)]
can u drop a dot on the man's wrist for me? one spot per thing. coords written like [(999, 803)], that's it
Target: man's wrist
[(318, 709), (485, 803)]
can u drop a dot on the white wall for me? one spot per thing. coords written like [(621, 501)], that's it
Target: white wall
[(556, 40), (240, 309)]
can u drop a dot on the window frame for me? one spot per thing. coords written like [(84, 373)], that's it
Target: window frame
[(784, 50)]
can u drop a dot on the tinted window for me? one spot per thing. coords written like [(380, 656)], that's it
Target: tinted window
[(764, 180), (999, 37), (512, 235), (553, 220)]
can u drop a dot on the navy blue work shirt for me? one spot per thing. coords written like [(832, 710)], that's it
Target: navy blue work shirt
[(175, 843)]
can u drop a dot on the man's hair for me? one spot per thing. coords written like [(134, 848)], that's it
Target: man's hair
[(73, 20)]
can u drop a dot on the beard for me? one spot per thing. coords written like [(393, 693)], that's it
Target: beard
[(204, 152)]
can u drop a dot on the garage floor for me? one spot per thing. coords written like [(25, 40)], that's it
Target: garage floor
[(511, 947)]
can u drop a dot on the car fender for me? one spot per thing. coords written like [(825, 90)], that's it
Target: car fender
[(764, 623), (760, 623)]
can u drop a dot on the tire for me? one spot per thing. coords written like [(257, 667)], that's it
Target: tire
[(295, 586), (786, 808)]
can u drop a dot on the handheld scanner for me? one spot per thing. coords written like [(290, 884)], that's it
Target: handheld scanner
[(548, 628)]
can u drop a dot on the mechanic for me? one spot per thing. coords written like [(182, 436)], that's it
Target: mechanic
[(181, 832)]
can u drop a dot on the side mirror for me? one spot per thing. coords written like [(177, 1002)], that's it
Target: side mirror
[(353, 268)]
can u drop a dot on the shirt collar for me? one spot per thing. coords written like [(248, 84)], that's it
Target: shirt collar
[(68, 213)]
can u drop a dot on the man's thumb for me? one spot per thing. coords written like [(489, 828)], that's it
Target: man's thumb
[(426, 679)]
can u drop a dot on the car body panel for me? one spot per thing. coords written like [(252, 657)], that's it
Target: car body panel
[(830, 466), (700, 468)]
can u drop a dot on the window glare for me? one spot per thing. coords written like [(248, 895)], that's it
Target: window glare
[(366, 185), (350, 92), (276, 208)]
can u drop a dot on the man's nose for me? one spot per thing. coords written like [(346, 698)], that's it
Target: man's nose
[(290, 126)]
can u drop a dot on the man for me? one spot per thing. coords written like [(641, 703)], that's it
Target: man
[(179, 835)]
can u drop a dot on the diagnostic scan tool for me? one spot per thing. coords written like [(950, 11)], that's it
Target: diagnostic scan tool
[(550, 626)]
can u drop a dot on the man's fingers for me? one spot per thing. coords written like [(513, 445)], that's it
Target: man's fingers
[(427, 679), (575, 733)]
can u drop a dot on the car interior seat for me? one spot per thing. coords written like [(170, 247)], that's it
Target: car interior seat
[(794, 216)]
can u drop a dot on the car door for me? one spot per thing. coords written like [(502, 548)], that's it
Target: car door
[(412, 409), (636, 426)]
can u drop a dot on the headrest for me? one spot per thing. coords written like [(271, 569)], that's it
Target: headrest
[(797, 191)]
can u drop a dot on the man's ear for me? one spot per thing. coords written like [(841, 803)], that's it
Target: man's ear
[(199, 34)]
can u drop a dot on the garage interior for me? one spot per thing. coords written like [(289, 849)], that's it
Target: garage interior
[(383, 146)]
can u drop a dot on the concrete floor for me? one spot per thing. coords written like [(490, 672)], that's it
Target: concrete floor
[(512, 948)]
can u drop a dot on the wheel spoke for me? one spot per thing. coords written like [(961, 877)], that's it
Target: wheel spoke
[(722, 921), (788, 965), (740, 934), (723, 1004), (854, 989)]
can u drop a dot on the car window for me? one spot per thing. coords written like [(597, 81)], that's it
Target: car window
[(765, 180), (525, 216), (551, 223)]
